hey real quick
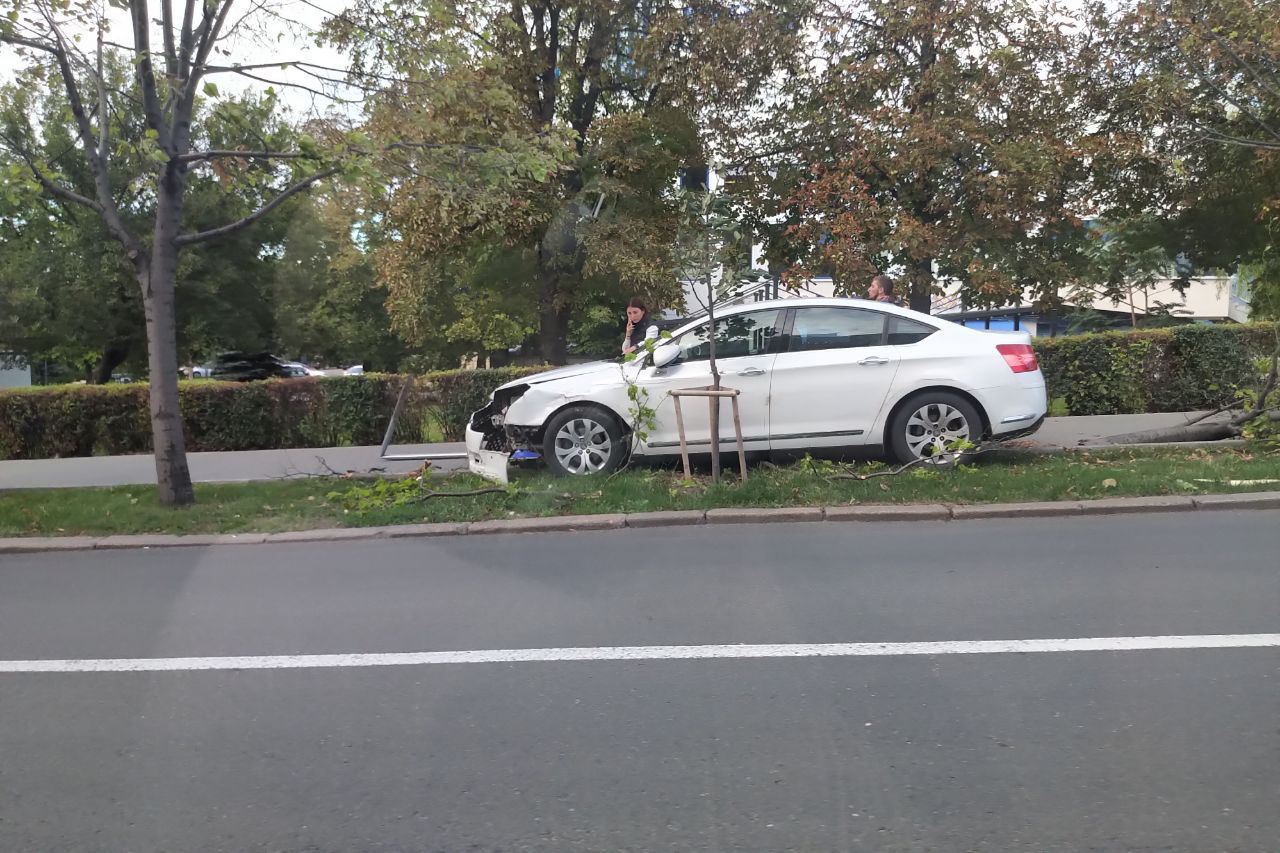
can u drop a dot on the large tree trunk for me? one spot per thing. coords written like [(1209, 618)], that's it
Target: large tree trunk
[(921, 277), (158, 277), (113, 355), (553, 326), (558, 264)]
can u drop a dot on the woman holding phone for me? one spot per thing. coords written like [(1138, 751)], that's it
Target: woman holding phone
[(639, 327)]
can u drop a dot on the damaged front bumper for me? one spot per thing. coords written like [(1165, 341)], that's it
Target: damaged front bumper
[(492, 443), (490, 464)]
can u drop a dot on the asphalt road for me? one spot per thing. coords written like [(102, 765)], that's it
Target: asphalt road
[(1166, 749)]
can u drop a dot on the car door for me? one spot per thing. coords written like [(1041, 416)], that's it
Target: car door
[(745, 351), (831, 378)]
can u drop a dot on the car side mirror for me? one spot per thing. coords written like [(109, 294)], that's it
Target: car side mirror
[(665, 354)]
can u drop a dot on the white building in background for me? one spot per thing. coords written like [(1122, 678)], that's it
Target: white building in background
[(1213, 298), (1207, 299), (15, 372)]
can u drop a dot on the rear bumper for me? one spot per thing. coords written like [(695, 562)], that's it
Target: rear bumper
[(1023, 432), (1014, 410)]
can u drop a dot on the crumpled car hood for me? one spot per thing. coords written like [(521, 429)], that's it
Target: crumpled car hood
[(568, 372)]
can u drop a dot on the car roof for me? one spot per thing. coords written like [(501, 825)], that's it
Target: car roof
[(820, 302)]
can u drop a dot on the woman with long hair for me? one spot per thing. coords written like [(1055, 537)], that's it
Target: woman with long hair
[(639, 327)]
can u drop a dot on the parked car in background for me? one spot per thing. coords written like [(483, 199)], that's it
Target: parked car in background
[(249, 367), (355, 370), (813, 374), (297, 368)]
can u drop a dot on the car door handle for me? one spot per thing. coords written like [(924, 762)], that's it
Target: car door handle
[(752, 371), (873, 360)]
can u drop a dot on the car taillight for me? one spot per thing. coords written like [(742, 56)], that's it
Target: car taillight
[(1021, 358)]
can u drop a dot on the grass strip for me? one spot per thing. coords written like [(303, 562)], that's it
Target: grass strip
[(325, 502)]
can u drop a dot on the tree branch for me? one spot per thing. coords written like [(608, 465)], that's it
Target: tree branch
[(1214, 135), (1204, 75), (83, 125), (104, 114), (170, 50), (54, 189), (300, 86), (186, 41), (231, 228), (1267, 85), (19, 41), (145, 74), (198, 156), (202, 42)]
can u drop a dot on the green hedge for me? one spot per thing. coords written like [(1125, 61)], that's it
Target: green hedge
[(1177, 369), (89, 420)]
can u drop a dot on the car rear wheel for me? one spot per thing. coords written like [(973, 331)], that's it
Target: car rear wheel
[(931, 425), (582, 441)]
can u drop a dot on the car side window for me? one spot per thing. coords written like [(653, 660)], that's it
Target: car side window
[(836, 328), (736, 336), (903, 331)]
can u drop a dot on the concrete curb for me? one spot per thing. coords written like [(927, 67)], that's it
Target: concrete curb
[(617, 521)]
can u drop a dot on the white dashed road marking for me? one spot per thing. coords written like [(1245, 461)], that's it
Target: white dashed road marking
[(633, 653)]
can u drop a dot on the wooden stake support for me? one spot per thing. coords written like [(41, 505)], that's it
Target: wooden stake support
[(713, 396)]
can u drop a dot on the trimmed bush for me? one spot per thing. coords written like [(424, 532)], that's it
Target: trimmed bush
[(1159, 370), (89, 420)]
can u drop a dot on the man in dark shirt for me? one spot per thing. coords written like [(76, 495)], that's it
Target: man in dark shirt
[(881, 290)]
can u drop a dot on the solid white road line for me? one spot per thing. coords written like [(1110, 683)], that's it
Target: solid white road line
[(628, 653)]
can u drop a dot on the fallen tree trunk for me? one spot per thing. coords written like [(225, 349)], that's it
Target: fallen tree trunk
[(1215, 431)]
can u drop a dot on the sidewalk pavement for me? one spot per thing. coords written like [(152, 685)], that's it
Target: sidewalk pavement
[(246, 465), (220, 467)]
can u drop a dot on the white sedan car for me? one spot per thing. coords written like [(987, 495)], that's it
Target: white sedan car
[(813, 374)]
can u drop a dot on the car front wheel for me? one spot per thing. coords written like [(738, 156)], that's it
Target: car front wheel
[(583, 440), (932, 425)]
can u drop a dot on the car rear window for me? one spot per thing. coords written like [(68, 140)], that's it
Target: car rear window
[(835, 328), (904, 331)]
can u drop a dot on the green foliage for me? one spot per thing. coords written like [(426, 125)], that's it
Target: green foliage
[(327, 301), (535, 150), (71, 296), (384, 494), (920, 142), (1199, 76), (1162, 370), (642, 416)]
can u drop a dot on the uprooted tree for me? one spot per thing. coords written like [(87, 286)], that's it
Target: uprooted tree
[(155, 116)]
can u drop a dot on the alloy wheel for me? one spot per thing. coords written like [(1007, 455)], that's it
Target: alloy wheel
[(582, 446), (933, 430)]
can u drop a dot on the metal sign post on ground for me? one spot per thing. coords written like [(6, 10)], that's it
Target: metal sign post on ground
[(391, 429)]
